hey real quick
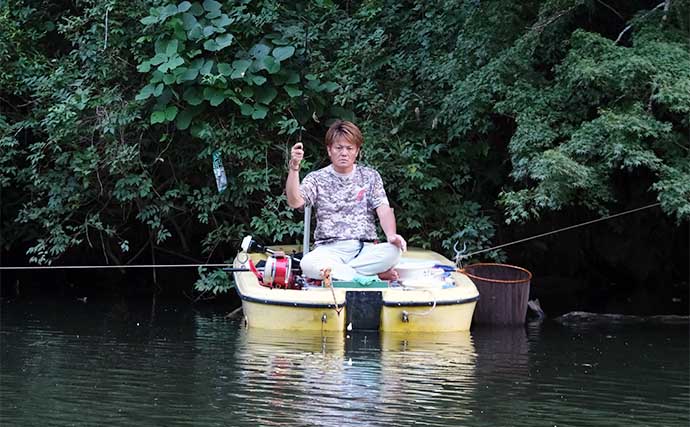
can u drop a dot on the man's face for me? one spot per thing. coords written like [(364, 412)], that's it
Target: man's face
[(343, 155)]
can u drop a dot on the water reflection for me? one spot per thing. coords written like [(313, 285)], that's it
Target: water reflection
[(502, 350), (119, 365), (363, 378), (503, 364), (429, 378)]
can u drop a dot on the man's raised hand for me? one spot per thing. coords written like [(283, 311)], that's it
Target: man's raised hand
[(296, 156)]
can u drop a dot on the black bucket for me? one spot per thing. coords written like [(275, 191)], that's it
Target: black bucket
[(503, 293)]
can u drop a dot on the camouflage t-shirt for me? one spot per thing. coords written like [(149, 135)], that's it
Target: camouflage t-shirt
[(345, 204)]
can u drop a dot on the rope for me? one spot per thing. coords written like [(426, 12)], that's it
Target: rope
[(428, 312), (328, 283), (335, 301), (93, 267), (561, 229), (463, 256)]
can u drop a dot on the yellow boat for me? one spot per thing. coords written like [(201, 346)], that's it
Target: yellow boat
[(420, 307)]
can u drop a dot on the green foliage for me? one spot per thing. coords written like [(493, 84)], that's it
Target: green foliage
[(215, 281), (601, 113), (475, 113)]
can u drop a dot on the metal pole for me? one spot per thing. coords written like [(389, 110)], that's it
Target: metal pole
[(307, 229)]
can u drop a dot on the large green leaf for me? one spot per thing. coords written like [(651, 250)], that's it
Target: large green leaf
[(193, 96), (190, 74), (222, 21), (195, 33), (292, 78), (197, 9), (265, 94), (171, 48), (284, 52), (247, 92), (224, 68), (258, 80), (259, 112), (246, 109), (224, 41), (269, 64), (259, 50), (240, 68), (211, 5), (189, 21), (293, 91), (175, 62), (149, 20), (157, 117), (159, 58), (208, 30), (169, 79), (144, 67), (241, 64), (145, 92), (330, 86), (184, 118), (170, 113), (214, 96), (184, 6), (158, 90), (206, 68)]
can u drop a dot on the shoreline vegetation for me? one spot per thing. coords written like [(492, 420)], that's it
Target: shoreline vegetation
[(489, 122)]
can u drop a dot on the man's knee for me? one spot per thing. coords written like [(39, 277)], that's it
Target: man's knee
[(310, 265), (378, 258), (390, 253)]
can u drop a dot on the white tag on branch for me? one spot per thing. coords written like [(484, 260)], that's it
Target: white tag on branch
[(219, 172)]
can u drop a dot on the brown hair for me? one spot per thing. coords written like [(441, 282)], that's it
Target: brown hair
[(346, 130)]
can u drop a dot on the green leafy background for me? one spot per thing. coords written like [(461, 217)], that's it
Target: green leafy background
[(488, 120)]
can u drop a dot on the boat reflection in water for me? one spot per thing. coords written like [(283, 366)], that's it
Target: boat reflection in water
[(312, 378), (502, 350)]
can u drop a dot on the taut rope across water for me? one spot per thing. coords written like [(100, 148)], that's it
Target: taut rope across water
[(463, 256)]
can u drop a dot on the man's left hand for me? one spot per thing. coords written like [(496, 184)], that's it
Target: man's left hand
[(398, 241)]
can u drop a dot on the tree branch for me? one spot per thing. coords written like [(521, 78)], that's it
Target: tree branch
[(667, 6), (612, 10), (539, 27), (183, 256), (139, 252), (664, 3)]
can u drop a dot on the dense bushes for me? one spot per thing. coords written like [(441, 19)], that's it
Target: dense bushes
[(476, 113)]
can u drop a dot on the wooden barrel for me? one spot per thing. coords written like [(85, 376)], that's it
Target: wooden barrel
[(503, 293)]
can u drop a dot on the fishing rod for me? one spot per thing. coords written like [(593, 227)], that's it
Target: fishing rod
[(105, 267), (460, 254), (249, 244)]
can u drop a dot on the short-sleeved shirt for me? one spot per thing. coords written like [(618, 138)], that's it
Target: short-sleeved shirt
[(345, 204)]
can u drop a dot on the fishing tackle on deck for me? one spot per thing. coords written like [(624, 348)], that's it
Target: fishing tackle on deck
[(277, 272)]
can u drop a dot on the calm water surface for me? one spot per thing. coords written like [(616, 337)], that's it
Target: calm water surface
[(117, 364)]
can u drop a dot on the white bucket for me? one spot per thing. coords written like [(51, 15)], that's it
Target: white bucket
[(420, 274)]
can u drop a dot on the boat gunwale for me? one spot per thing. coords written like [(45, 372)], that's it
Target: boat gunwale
[(430, 303), (385, 303), (287, 303)]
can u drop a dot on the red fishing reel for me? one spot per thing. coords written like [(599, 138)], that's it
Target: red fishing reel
[(278, 271)]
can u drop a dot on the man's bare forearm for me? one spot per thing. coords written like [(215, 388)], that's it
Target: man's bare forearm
[(387, 219), (294, 197)]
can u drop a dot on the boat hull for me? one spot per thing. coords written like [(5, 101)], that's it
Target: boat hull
[(394, 309)]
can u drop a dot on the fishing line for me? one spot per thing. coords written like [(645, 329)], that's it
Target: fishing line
[(92, 267), (557, 231), (458, 255)]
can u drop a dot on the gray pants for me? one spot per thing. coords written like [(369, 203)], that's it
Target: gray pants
[(346, 261)]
